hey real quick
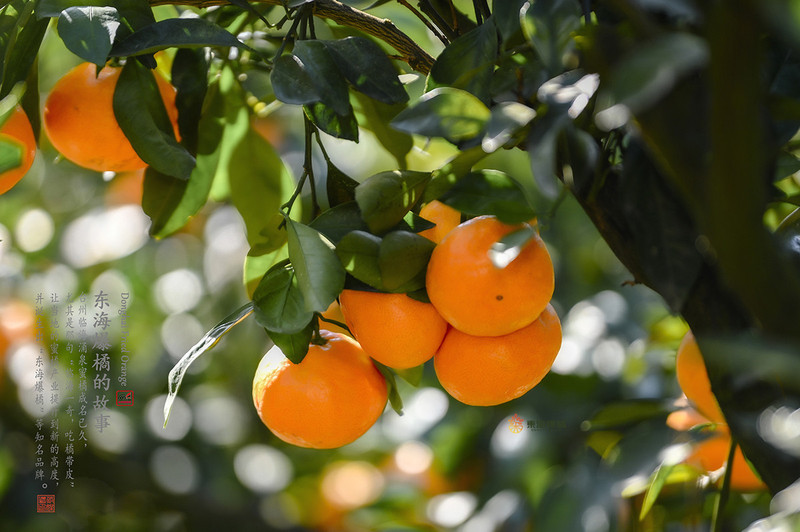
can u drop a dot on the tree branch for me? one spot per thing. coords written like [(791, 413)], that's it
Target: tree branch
[(382, 29)]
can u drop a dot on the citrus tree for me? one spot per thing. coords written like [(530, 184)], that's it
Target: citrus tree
[(672, 124)]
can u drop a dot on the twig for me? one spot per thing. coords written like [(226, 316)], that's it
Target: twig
[(382, 29), (424, 20)]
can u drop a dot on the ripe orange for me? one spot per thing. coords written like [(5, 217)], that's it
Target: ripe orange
[(485, 371), (477, 297), (18, 129), (394, 329), (445, 217), (693, 379), (710, 454), (328, 400), (79, 119)]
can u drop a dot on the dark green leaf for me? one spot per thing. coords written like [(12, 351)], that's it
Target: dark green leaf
[(452, 114), (340, 187), (366, 67), (573, 89), (415, 223), (190, 78), (542, 142), (53, 8), (506, 17), (507, 119), (279, 303), (19, 45), (339, 126), (331, 86), (335, 223), (490, 192), (467, 63), (207, 342), (385, 198), (413, 376), (548, 26), (647, 74), (376, 118), (583, 154), (320, 275), (256, 266), (358, 252), (143, 118), (293, 346), (292, 83), (88, 32), (403, 260), (175, 32)]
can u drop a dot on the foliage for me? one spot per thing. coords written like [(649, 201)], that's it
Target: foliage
[(669, 126)]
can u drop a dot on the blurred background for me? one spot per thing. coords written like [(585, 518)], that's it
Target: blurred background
[(440, 466)]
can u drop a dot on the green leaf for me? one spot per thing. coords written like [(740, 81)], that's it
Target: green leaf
[(88, 32), (625, 413), (206, 342), (358, 252), (506, 17), (403, 261), (656, 484), (19, 46), (175, 33), (329, 82), (385, 198), (452, 114), (143, 118), (332, 123), (320, 275), (490, 192), (366, 67), (335, 223), (394, 394), (376, 116), (413, 376), (340, 187), (279, 303), (256, 266), (10, 154), (542, 143), (292, 83), (293, 346), (548, 26), (53, 8), (507, 119), (467, 63), (260, 183), (448, 175)]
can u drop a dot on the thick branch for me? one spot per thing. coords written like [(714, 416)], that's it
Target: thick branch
[(382, 29)]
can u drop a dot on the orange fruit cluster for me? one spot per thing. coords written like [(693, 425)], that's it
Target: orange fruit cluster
[(17, 129), (711, 453), (490, 330), (79, 119)]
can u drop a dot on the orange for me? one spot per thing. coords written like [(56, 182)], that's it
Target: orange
[(394, 329), (79, 119), (693, 379), (328, 400), (711, 454), (485, 371), (18, 130), (477, 297), (445, 217)]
